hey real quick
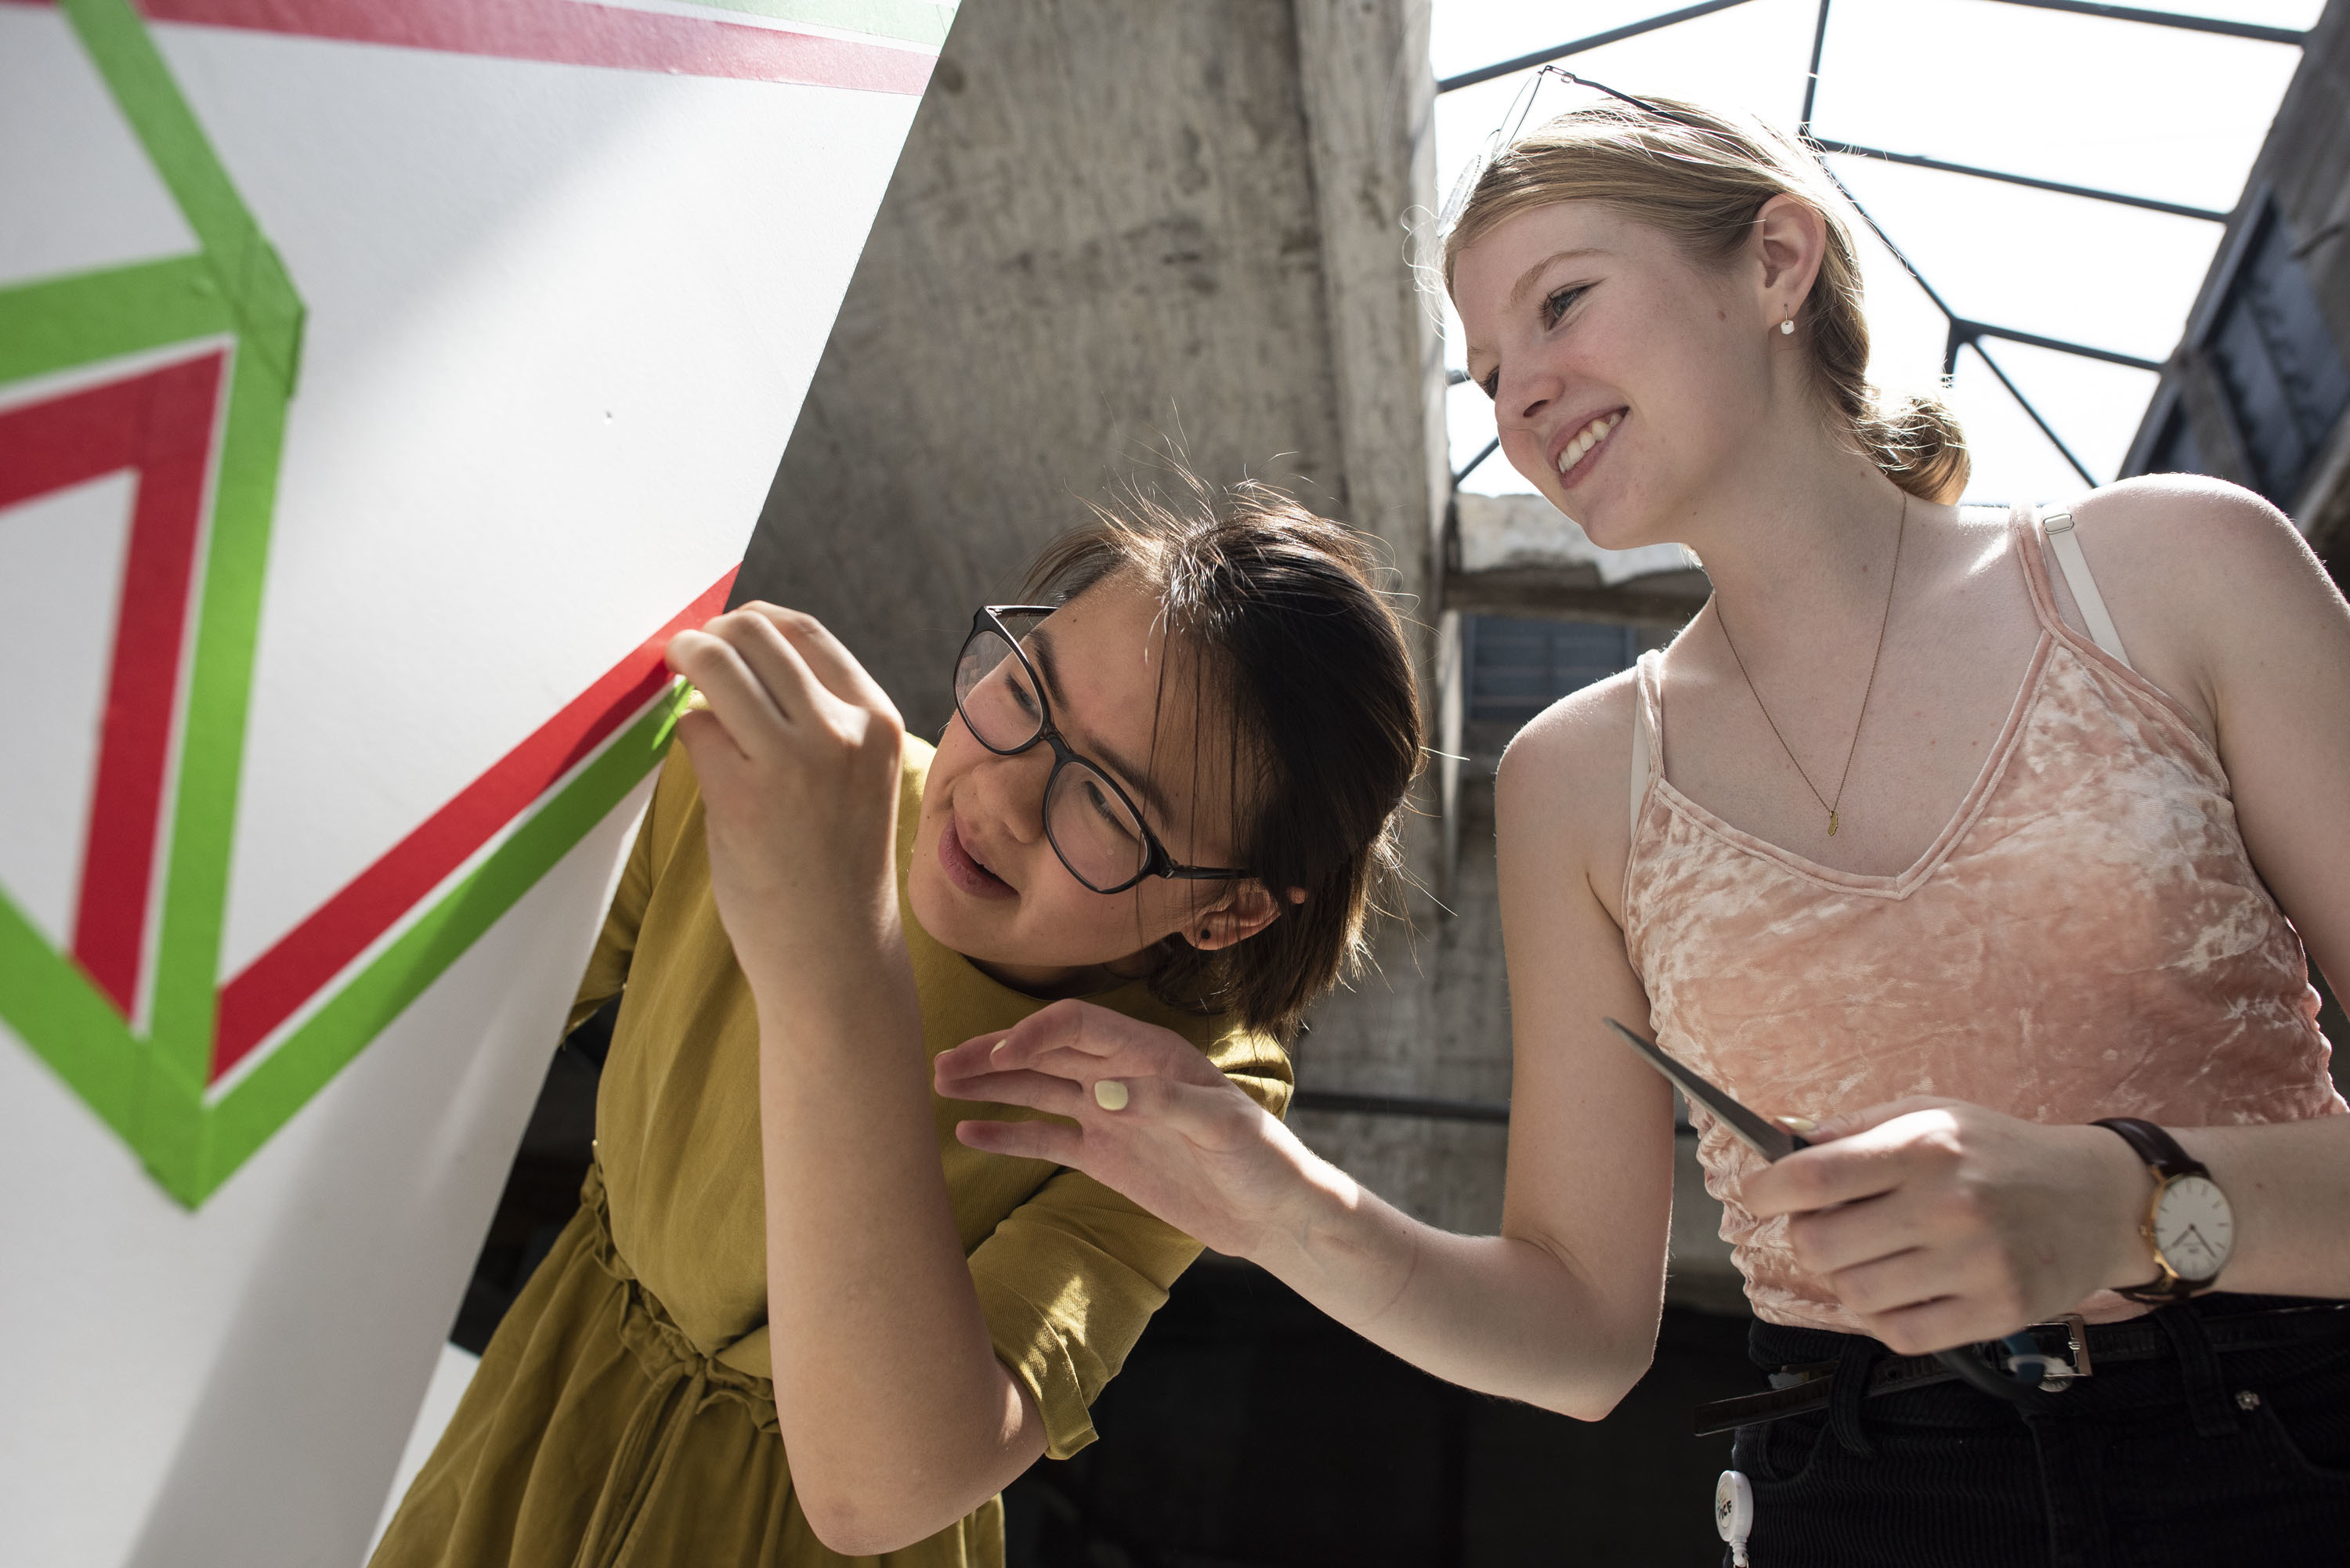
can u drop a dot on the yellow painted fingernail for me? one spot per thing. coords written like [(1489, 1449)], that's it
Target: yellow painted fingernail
[(1797, 1124), (1110, 1095)]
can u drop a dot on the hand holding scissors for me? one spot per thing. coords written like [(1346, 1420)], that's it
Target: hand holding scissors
[(1944, 1226)]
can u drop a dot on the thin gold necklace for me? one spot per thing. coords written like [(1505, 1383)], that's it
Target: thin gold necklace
[(1900, 529)]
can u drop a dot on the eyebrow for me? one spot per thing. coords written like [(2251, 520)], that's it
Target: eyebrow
[(1526, 278), (1040, 653), (1526, 281)]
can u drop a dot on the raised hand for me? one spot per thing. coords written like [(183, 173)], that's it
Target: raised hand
[(1186, 1143), (1939, 1223), (797, 755)]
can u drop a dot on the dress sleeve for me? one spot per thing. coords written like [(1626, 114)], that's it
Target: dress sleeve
[(1070, 1278), (608, 966)]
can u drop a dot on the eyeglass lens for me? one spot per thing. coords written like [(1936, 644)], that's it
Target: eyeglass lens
[(1094, 832)]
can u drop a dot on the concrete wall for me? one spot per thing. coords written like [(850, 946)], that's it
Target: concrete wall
[(1103, 242), (1127, 227)]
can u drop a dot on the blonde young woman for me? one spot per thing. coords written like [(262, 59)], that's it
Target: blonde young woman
[(1957, 834)]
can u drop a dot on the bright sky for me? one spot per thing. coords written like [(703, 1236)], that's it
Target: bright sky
[(2120, 105)]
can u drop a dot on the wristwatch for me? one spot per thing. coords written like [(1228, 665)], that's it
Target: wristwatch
[(2187, 1221)]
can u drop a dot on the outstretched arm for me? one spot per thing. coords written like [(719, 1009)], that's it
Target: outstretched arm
[(897, 1415), (1559, 1309)]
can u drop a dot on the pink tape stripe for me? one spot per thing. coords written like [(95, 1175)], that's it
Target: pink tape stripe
[(571, 33)]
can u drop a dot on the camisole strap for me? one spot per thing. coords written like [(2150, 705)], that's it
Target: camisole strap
[(1644, 733), (2066, 548)]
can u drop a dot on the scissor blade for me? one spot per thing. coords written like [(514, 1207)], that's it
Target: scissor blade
[(1771, 1142)]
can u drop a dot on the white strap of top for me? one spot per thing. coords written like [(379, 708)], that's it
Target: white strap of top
[(1639, 748), (2075, 566)]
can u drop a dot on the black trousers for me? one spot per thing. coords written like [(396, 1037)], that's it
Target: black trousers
[(2198, 1459)]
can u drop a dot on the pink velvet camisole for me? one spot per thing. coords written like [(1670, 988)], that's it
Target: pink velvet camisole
[(2087, 937)]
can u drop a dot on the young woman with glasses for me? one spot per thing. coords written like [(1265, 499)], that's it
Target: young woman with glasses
[(796, 1321), (1989, 843)]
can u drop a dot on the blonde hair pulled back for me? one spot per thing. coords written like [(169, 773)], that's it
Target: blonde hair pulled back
[(1702, 178)]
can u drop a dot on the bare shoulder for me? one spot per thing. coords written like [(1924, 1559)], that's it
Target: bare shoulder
[(1573, 743), (2203, 578), (1563, 789), (2187, 534)]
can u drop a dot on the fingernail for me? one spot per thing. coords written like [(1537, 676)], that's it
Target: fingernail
[(1797, 1124), (1110, 1095)]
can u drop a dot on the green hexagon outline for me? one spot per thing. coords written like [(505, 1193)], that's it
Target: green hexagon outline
[(151, 1089)]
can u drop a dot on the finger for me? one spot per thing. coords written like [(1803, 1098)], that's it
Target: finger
[(1210, 1116), (1907, 1278), (1940, 1325), (796, 691), (1031, 1091), (707, 745), (1851, 1122), (1078, 1039), (1063, 1027), (827, 658), (738, 701), (1858, 1166), (1057, 1142), (973, 1055), (1852, 1234)]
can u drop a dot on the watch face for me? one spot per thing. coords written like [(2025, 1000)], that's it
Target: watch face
[(2194, 1227)]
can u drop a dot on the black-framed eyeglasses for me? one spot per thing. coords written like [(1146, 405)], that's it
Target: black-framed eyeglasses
[(1091, 822)]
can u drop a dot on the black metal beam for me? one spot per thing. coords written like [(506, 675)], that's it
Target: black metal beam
[(2045, 427), (1916, 160), (1475, 462), (1399, 1106), (1811, 80), (1613, 35), (2168, 19), (1966, 331)]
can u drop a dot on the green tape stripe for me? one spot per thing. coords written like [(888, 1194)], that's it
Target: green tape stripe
[(309, 1059), (910, 21), (248, 270), (211, 754), (70, 1025), (62, 322)]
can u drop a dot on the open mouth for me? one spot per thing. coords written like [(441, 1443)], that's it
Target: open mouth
[(966, 871), (1576, 458)]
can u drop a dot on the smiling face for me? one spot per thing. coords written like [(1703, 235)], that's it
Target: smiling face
[(988, 883), (1629, 381)]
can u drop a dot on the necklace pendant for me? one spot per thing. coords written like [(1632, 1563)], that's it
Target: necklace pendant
[(1831, 825)]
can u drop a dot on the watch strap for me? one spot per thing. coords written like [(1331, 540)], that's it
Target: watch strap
[(2157, 1147), (2168, 1162)]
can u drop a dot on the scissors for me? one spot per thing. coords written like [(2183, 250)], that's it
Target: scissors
[(1774, 1141)]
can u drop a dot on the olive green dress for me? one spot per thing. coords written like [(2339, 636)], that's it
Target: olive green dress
[(623, 1414)]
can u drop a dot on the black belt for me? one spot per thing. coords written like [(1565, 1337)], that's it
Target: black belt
[(2072, 1349)]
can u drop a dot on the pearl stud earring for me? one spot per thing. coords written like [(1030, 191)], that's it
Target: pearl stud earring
[(1787, 328)]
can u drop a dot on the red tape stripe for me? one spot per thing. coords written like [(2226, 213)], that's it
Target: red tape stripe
[(160, 425), (571, 33), (308, 958)]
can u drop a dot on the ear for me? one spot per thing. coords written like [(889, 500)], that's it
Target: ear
[(1239, 915), (1791, 240)]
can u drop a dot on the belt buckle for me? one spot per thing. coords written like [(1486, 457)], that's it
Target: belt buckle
[(2055, 1375)]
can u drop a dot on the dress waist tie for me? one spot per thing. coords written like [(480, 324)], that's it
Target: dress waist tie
[(684, 1383)]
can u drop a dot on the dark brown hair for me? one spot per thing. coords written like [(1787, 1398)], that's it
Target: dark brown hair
[(1290, 636), (1702, 178)]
